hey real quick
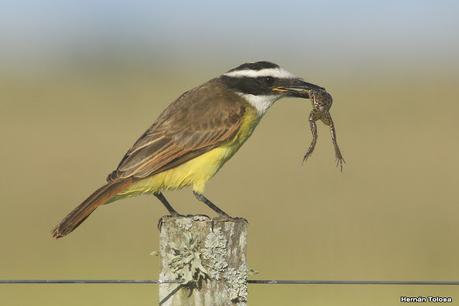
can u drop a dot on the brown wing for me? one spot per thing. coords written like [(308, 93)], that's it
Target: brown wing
[(198, 121)]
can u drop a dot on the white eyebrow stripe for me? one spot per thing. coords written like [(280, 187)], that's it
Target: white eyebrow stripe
[(272, 72)]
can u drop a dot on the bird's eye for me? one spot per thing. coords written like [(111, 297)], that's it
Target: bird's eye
[(268, 80)]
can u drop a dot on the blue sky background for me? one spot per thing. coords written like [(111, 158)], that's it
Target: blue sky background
[(193, 32)]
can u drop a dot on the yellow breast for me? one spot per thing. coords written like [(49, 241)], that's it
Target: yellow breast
[(199, 170)]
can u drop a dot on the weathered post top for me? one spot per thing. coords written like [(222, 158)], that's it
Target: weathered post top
[(209, 256)]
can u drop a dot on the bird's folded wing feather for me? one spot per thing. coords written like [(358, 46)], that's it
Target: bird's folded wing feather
[(195, 123)]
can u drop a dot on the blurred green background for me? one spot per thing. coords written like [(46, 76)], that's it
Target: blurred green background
[(81, 80)]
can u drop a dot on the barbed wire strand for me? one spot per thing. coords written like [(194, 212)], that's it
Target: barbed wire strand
[(250, 281), (164, 300), (86, 281)]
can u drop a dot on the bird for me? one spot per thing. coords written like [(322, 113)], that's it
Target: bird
[(193, 138)]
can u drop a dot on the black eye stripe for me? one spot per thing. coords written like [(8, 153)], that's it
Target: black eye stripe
[(257, 86), (268, 80)]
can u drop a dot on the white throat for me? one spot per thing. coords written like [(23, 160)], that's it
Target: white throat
[(261, 103)]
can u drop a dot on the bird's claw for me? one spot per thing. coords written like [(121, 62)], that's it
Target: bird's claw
[(222, 217)]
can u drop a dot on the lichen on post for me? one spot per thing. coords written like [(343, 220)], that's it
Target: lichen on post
[(209, 256)]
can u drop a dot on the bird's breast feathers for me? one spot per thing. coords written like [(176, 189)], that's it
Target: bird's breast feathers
[(197, 171)]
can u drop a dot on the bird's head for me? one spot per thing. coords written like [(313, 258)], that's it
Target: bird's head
[(263, 83)]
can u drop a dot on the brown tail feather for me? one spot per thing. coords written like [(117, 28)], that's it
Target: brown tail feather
[(82, 211)]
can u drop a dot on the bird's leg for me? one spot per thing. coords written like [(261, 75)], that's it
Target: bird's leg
[(313, 126), (327, 119), (166, 203), (211, 205)]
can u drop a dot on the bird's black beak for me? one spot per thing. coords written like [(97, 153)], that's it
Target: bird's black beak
[(295, 88)]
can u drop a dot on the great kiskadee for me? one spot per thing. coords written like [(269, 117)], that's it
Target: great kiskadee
[(193, 137)]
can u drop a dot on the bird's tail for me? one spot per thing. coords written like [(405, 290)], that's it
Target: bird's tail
[(82, 211)]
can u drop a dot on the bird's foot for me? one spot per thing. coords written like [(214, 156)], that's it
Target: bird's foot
[(225, 217), (177, 215), (199, 217), (171, 215)]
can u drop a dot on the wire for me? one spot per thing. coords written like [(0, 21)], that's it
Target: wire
[(164, 300), (250, 281), (84, 281), (352, 282)]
